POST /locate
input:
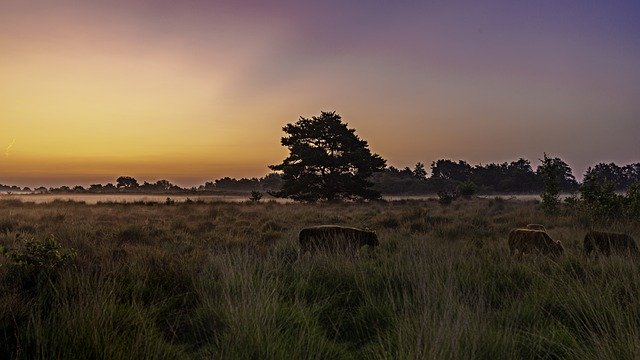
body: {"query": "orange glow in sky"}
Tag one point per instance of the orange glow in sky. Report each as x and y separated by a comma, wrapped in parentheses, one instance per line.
(193, 91)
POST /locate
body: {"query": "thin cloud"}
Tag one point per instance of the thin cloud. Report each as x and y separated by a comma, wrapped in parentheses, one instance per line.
(6, 152)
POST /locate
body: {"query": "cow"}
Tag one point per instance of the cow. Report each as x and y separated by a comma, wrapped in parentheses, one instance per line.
(607, 243)
(536, 227)
(335, 238)
(528, 241)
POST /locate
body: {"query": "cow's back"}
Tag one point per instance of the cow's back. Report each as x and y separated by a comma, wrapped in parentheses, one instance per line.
(330, 237)
(530, 241)
(607, 242)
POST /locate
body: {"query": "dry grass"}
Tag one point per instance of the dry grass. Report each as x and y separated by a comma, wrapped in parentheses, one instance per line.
(219, 280)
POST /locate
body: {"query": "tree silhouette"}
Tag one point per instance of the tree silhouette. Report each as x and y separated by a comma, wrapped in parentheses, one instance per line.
(126, 182)
(449, 170)
(419, 172)
(551, 171)
(566, 180)
(520, 176)
(327, 161)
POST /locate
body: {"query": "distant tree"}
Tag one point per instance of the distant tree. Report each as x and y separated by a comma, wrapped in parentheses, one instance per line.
(489, 177)
(126, 182)
(600, 198)
(467, 189)
(255, 196)
(447, 174)
(147, 186)
(95, 188)
(566, 181)
(327, 161)
(449, 170)
(520, 177)
(612, 173)
(551, 172)
(407, 172)
(78, 189)
(404, 173)
(227, 183)
(394, 181)
(272, 181)
(631, 173)
(163, 185)
(419, 172)
(632, 207)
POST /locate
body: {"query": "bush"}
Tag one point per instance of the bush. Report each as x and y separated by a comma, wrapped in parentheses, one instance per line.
(600, 200)
(632, 206)
(36, 260)
(550, 171)
(445, 197)
(255, 196)
(467, 188)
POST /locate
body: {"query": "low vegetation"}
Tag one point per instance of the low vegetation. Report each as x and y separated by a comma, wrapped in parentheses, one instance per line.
(220, 280)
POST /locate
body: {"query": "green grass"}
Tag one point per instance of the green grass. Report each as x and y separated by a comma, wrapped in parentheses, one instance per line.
(220, 280)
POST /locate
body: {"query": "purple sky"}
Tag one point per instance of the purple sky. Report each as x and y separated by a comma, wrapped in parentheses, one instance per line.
(484, 81)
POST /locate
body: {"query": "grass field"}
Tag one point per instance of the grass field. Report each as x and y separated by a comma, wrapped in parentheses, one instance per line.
(220, 280)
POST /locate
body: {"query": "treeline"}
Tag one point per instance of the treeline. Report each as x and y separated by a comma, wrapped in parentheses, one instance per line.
(128, 184)
(14, 189)
(516, 177)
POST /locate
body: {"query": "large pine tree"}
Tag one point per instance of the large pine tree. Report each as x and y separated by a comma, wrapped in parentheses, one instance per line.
(327, 161)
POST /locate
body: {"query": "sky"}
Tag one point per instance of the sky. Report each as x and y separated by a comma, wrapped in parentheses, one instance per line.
(196, 90)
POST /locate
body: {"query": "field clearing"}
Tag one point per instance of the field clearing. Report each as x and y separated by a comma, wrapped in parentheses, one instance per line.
(220, 280)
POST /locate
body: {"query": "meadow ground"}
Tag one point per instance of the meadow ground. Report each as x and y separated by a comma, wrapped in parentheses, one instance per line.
(220, 280)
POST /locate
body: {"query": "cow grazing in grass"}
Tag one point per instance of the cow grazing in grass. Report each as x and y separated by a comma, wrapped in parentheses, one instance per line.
(536, 227)
(606, 243)
(527, 241)
(334, 238)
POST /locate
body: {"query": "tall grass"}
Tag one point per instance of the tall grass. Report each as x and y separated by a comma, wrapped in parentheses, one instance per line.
(221, 280)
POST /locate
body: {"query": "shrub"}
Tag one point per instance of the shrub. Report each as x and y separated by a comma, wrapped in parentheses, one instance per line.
(600, 200)
(467, 189)
(255, 196)
(550, 171)
(445, 197)
(632, 206)
(36, 260)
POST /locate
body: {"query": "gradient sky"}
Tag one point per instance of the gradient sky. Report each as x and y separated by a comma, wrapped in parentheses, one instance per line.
(195, 90)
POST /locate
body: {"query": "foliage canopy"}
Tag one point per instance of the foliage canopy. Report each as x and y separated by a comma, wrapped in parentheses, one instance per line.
(327, 161)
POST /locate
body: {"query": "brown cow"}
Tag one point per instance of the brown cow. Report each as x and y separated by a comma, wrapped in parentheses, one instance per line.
(335, 238)
(528, 241)
(606, 243)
